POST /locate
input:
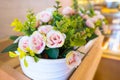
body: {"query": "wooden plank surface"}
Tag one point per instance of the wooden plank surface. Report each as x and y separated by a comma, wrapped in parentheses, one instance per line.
(88, 67)
(9, 73)
(109, 69)
(9, 67)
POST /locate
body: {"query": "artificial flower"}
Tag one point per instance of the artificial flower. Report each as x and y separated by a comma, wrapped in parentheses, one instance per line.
(68, 11)
(85, 16)
(44, 16)
(37, 42)
(73, 59)
(55, 39)
(23, 43)
(89, 23)
(45, 29)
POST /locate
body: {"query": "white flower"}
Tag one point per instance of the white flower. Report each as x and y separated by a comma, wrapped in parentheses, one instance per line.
(23, 43)
(44, 16)
(55, 39)
(36, 42)
(73, 59)
(45, 29)
(89, 23)
(68, 11)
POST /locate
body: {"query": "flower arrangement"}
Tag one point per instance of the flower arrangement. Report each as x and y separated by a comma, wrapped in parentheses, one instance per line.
(52, 34)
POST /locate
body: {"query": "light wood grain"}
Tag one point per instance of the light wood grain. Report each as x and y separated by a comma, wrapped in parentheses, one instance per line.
(7, 72)
(5, 76)
(3, 44)
(111, 56)
(109, 69)
(88, 67)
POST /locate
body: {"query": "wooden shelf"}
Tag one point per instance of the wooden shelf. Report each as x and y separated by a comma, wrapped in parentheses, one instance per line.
(87, 68)
(85, 71)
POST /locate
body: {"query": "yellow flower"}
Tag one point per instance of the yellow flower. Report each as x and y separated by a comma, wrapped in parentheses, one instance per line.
(12, 54)
(22, 53)
(18, 26)
(30, 51)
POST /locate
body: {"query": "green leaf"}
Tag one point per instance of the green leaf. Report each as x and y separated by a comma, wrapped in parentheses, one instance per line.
(13, 37)
(77, 40)
(53, 53)
(36, 59)
(25, 63)
(12, 54)
(12, 47)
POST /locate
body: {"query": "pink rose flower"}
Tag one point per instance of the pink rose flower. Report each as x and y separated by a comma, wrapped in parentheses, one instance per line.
(45, 29)
(23, 43)
(97, 32)
(105, 28)
(94, 19)
(44, 16)
(89, 23)
(55, 39)
(68, 11)
(36, 42)
(81, 14)
(100, 16)
(85, 16)
(97, 12)
(73, 59)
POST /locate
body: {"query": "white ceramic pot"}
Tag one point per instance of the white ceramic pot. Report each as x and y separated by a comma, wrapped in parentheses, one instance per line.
(46, 69)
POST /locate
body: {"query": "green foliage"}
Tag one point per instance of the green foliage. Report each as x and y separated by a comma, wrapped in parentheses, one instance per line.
(28, 27)
(29, 24)
(36, 59)
(52, 53)
(57, 6)
(13, 37)
(12, 47)
(75, 5)
(76, 40)
(92, 13)
(71, 26)
(56, 17)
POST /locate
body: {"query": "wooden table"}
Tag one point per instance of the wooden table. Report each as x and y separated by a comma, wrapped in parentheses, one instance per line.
(109, 66)
(10, 68)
